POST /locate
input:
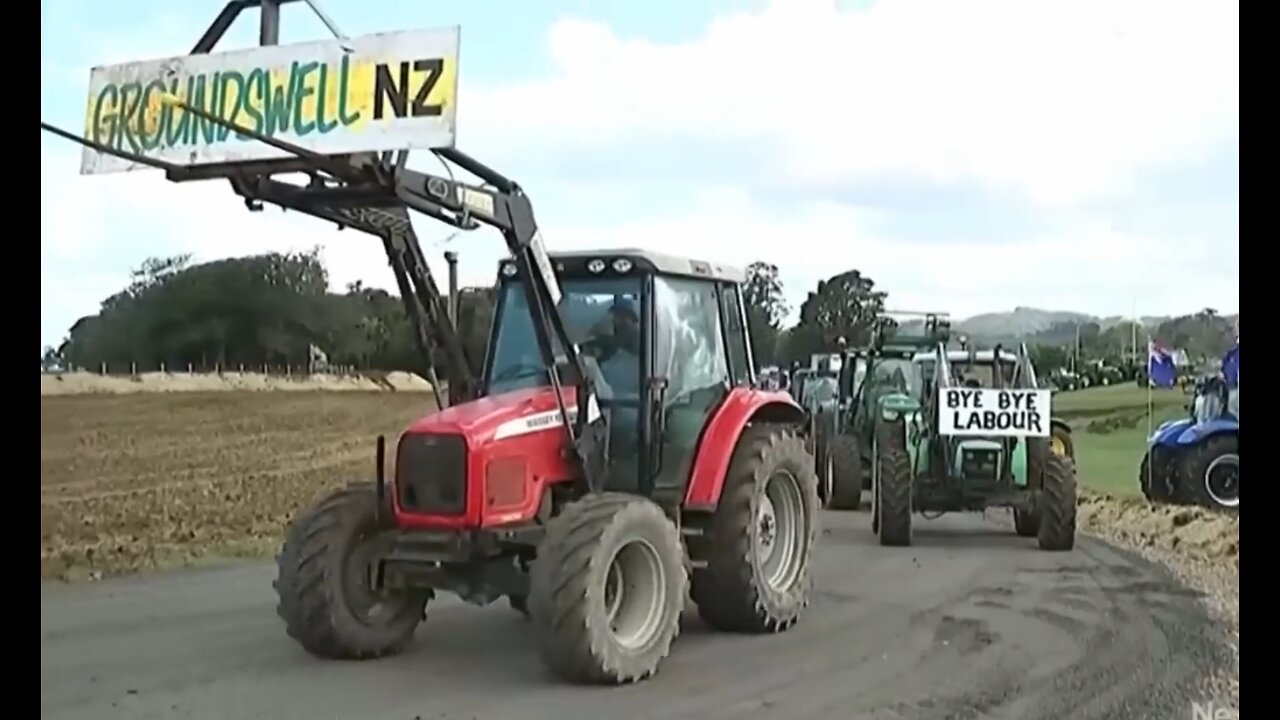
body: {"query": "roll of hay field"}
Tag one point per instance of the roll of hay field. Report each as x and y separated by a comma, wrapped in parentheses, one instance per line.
(140, 480)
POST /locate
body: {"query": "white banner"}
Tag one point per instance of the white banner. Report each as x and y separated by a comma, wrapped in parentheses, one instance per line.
(994, 412)
(390, 91)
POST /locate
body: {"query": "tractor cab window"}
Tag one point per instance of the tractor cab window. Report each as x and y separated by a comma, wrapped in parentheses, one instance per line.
(820, 389)
(896, 375)
(980, 374)
(602, 317)
(688, 350)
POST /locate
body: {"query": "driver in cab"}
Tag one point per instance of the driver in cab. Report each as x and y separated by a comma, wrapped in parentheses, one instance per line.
(614, 342)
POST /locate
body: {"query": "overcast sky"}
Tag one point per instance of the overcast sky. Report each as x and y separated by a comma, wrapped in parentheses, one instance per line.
(969, 156)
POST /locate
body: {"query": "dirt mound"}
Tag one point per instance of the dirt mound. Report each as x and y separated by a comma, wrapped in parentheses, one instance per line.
(1198, 532)
(84, 383)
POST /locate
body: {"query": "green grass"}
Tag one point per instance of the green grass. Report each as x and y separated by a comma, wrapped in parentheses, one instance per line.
(1109, 426)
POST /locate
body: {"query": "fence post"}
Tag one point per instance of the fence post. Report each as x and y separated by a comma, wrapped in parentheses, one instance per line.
(104, 369)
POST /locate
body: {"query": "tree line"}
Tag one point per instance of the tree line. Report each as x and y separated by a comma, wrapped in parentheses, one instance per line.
(276, 309)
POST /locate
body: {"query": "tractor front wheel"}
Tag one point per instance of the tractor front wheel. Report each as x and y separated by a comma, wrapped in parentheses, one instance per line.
(893, 491)
(1026, 518)
(847, 486)
(607, 589)
(758, 544)
(327, 597)
(1057, 504)
(1155, 476)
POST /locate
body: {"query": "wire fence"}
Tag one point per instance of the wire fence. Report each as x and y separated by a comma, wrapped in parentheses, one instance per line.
(134, 369)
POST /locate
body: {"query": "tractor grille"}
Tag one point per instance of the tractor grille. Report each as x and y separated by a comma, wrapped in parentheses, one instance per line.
(982, 465)
(431, 474)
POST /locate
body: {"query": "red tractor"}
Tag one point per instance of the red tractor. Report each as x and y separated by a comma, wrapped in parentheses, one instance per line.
(613, 457)
(695, 483)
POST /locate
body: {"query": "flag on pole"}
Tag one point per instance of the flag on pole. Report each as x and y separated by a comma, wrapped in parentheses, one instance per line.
(1231, 365)
(1160, 366)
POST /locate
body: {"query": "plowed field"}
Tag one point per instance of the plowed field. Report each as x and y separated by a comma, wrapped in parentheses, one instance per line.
(154, 479)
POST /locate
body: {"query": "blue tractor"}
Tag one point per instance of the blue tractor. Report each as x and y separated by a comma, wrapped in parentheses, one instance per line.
(1196, 460)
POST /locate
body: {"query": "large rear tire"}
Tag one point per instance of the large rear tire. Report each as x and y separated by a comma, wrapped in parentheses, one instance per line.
(824, 464)
(758, 544)
(1211, 473)
(1057, 503)
(847, 486)
(894, 485)
(324, 582)
(607, 589)
(1060, 442)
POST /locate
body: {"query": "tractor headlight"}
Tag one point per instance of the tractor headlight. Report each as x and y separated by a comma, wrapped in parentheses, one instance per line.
(596, 266)
(622, 265)
(508, 270)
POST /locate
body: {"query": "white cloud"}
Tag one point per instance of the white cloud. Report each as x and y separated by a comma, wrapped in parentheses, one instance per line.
(1062, 101)
(1058, 104)
(1085, 266)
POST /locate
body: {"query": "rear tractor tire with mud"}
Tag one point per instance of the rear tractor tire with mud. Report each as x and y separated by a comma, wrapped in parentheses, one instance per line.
(893, 485)
(325, 587)
(607, 589)
(758, 543)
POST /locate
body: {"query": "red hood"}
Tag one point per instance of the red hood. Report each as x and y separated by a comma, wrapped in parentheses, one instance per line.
(479, 420)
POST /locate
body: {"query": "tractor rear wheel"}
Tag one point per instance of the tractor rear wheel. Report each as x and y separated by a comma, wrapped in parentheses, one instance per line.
(1057, 504)
(893, 485)
(758, 544)
(1211, 473)
(847, 485)
(325, 587)
(1060, 442)
(607, 589)
(824, 466)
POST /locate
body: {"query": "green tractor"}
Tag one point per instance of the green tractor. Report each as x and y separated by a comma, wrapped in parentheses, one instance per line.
(972, 430)
(867, 375)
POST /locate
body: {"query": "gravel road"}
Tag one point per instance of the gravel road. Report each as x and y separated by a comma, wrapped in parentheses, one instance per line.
(971, 622)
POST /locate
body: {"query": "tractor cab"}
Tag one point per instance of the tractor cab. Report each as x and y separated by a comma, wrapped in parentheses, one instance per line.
(663, 338)
(1214, 400)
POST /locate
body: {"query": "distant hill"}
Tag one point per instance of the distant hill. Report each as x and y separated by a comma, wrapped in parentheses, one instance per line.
(1024, 322)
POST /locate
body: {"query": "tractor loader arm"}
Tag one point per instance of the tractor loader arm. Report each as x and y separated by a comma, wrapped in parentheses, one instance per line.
(373, 193)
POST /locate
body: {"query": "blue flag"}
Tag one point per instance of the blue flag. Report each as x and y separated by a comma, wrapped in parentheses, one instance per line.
(1160, 367)
(1231, 365)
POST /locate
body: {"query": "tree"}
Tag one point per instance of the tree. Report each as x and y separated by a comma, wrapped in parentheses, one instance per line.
(843, 306)
(261, 309)
(766, 308)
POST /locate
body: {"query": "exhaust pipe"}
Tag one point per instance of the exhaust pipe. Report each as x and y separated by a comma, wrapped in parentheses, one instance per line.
(451, 257)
